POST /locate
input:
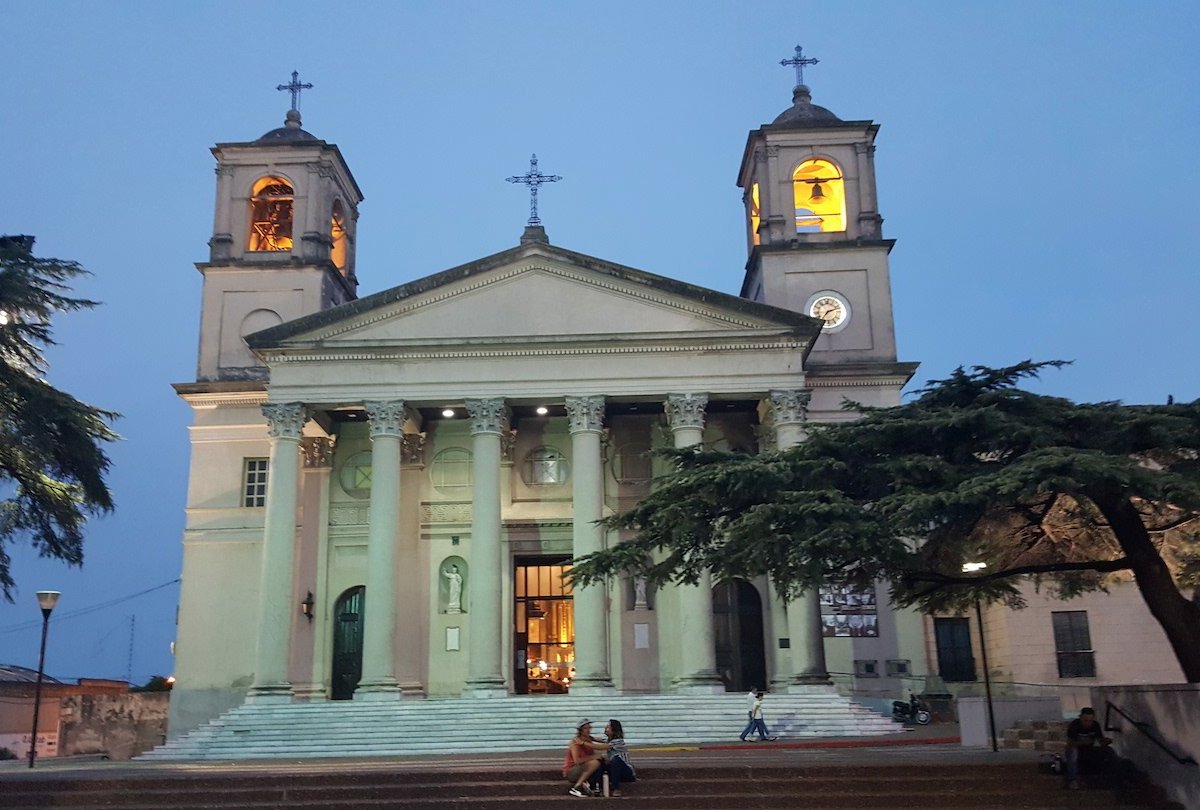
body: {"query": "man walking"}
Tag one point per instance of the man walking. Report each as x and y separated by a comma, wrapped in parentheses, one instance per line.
(756, 721)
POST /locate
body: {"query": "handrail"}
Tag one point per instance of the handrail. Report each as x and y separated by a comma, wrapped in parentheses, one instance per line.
(1110, 707)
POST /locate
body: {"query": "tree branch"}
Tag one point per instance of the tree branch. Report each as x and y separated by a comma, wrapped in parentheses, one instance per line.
(942, 580)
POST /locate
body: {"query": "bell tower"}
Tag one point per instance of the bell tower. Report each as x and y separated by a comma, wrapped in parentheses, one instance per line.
(283, 241)
(813, 229)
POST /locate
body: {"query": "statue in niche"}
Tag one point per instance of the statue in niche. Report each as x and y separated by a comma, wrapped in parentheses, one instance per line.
(454, 584)
(639, 594)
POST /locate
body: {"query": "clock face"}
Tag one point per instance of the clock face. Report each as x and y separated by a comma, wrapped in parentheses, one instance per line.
(829, 308)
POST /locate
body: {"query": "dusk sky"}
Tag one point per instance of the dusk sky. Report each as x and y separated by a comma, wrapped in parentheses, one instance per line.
(1036, 163)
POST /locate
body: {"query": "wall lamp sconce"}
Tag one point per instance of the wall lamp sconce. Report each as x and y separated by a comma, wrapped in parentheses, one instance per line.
(306, 607)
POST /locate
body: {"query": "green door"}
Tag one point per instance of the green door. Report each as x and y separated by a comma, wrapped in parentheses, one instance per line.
(348, 642)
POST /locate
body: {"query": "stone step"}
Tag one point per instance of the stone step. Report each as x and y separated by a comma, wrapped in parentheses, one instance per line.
(714, 787)
(404, 727)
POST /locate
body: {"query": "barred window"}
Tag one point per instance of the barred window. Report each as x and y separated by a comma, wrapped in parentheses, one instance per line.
(545, 466)
(1073, 644)
(254, 482)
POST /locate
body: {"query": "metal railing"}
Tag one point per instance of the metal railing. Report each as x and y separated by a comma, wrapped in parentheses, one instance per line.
(1145, 728)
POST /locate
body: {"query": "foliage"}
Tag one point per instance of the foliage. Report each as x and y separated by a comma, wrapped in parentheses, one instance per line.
(157, 683)
(52, 460)
(6, 754)
(974, 469)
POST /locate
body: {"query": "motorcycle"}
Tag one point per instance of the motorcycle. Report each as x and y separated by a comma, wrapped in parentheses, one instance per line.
(911, 711)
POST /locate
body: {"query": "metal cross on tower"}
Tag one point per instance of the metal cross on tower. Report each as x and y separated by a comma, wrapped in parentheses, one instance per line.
(798, 62)
(533, 178)
(294, 86)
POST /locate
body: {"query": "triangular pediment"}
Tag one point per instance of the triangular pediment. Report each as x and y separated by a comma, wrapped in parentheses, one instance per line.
(534, 295)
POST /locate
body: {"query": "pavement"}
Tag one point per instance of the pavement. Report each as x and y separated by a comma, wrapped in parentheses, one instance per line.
(922, 746)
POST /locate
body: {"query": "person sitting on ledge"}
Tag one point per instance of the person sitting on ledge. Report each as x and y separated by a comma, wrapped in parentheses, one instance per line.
(1087, 748)
(582, 761)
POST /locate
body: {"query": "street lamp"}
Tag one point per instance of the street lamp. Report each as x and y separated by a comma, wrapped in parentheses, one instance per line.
(46, 601)
(970, 568)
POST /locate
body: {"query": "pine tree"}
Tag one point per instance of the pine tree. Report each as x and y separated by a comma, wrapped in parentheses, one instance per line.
(52, 460)
(974, 469)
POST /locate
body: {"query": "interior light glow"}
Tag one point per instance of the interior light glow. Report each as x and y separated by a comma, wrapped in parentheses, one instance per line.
(542, 410)
(448, 413)
(971, 567)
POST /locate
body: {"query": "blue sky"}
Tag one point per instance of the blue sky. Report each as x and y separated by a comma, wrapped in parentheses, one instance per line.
(1036, 164)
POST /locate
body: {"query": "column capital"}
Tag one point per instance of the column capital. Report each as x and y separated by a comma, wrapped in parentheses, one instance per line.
(318, 452)
(586, 414)
(686, 410)
(789, 407)
(487, 415)
(285, 420)
(387, 417)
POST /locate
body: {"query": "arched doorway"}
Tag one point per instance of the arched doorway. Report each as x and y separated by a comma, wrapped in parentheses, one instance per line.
(738, 633)
(348, 642)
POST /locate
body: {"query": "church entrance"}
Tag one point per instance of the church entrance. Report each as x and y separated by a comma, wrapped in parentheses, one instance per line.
(738, 634)
(544, 632)
(347, 643)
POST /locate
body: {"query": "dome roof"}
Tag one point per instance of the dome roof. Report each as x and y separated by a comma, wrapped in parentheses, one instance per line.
(803, 113)
(290, 132)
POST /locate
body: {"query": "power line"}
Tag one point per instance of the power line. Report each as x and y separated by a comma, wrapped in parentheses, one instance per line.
(74, 614)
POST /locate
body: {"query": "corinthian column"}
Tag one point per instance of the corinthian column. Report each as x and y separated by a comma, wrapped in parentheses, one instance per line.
(275, 613)
(698, 656)
(485, 674)
(383, 529)
(789, 411)
(586, 416)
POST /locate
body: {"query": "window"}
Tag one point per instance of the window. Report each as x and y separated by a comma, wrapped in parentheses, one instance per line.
(254, 482)
(450, 471)
(898, 667)
(755, 214)
(337, 238)
(271, 215)
(866, 669)
(545, 466)
(953, 639)
(1073, 644)
(820, 197)
(355, 477)
(632, 465)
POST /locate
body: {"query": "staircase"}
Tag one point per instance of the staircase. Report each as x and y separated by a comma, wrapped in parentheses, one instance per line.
(520, 723)
(522, 785)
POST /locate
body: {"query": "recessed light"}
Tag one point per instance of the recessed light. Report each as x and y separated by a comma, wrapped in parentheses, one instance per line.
(542, 410)
(448, 413)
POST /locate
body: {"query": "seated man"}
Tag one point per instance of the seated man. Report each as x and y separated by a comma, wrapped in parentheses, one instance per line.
(1087, 747)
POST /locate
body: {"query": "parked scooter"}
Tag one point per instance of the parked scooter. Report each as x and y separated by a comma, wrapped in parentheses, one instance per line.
(911, 711)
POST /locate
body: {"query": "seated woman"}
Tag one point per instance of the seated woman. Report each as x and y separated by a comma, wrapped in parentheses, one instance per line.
(620, 769)
(582, 761)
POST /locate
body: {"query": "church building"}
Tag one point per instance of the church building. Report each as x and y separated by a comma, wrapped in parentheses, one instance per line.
(385, 490)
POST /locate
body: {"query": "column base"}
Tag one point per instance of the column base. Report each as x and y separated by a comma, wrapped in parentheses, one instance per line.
(490, 687)
(590, 686)
(811, 688)
(270, 693)
(309, 692)
(412, 690)
(383, 689)
(700, 683)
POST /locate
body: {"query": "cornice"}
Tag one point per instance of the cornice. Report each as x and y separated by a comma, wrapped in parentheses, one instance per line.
(334, 355)
(218, 399)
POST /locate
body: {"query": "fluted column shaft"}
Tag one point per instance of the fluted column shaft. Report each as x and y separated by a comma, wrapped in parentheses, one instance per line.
(275, 613)
(790, 413)
(485, 673)
(586, 416)
(698, 654)
(383, 530)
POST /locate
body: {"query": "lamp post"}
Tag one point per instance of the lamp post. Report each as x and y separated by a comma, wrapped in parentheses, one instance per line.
(46, 601)
(971, 568)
